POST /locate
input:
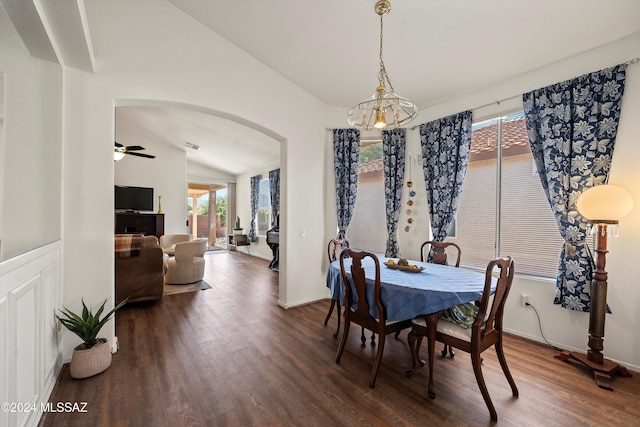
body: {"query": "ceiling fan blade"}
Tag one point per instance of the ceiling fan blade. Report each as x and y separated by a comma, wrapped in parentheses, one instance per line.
(148, 156)
(134, 148)
(118, 145)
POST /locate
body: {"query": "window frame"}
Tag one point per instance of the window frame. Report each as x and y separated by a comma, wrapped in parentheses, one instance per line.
(500, 243)
(263, 233)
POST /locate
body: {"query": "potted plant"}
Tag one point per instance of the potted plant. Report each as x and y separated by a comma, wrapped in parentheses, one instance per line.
(93, 355)
(237, 229)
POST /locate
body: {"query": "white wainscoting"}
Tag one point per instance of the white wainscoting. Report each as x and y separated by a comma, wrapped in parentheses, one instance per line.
(30, 291)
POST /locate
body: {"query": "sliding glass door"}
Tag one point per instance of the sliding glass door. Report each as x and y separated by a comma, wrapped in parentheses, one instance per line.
(206, 210)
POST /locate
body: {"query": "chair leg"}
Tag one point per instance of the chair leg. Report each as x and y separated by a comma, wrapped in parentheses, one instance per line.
(505, 368)
(373, 338)
(363, 338)
(343, 341)
(414, 341)
(333, 304)
(447, 348)
(335, 334)
(326, 320)
(477, 369)
(377, 362)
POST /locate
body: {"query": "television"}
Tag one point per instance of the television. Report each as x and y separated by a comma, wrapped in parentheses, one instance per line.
(133, 198)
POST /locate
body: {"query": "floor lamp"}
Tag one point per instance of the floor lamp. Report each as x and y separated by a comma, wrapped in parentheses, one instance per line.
(602, 206)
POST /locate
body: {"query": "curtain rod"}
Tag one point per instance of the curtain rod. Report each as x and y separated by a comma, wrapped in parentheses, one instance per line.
(629, 62)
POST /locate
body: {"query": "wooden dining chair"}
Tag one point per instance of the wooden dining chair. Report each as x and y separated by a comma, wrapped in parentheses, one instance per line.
(439, 252)
(355, 289)
(439, 255)
(485, 332)
(334, 249)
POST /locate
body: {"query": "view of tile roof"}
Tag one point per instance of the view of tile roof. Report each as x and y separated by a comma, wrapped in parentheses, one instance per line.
(514, 139)
(483, 143)
(370, 167)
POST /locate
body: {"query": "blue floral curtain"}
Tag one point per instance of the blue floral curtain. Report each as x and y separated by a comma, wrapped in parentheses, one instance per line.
(346, 153)
(274, 190)
(572, 128)
(445, 155)
(393, 159)
(255, 193)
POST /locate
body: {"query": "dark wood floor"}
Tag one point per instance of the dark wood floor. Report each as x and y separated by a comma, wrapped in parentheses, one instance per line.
(229, 356)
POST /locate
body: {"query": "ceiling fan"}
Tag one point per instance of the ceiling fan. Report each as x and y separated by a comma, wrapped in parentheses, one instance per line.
(121, 150)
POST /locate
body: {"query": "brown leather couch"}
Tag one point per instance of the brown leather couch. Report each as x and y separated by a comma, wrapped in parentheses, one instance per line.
(141, 277)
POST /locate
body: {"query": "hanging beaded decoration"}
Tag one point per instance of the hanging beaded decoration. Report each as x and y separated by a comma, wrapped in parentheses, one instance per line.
(412, 194)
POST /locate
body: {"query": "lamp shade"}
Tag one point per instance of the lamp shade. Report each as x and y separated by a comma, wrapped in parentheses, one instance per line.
(607, 203)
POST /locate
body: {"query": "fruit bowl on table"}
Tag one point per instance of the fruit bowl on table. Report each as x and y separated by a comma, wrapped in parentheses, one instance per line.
(412, 268)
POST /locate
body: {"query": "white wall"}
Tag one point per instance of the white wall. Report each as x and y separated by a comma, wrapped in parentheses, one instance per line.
(31, 168)
(563, 328)
(30, 226)
(199, 173)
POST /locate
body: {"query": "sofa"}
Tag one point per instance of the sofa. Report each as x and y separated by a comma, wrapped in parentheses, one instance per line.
(139, 268)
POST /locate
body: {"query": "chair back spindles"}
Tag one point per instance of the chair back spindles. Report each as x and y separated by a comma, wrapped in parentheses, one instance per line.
(438, 252)
(335, 248)
(491, 307)
(485, 332)
(357, 308)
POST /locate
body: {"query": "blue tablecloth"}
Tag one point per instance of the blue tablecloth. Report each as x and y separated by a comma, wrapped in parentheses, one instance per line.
(406, 294)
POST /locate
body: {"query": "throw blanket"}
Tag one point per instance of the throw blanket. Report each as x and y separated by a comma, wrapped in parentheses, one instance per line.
(128, 245)
(462, 314)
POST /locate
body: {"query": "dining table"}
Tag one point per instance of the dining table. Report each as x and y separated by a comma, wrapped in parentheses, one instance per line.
(407, 294)
(425, 291)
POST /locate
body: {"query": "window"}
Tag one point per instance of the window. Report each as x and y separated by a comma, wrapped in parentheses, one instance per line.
(368, 230)
(263, 219)
(503, 209)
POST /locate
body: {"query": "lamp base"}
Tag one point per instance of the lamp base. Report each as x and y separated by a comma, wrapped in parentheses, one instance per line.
(601, 371)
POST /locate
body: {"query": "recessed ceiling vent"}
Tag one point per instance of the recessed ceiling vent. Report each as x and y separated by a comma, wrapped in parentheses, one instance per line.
(192, 146)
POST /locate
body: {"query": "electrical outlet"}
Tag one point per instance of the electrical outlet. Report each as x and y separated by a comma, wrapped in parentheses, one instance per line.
(524, 300)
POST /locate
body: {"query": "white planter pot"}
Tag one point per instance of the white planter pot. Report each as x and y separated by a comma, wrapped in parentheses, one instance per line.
(89, 362)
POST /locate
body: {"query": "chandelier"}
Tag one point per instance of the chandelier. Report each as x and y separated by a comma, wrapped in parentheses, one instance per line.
(384, 109)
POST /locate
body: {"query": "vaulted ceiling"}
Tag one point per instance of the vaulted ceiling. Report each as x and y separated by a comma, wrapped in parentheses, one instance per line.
(434, 50)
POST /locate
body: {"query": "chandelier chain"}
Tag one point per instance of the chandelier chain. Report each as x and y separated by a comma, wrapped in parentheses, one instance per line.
(382, 75)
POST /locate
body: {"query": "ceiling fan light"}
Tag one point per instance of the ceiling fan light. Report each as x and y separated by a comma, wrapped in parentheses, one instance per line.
(118, 155)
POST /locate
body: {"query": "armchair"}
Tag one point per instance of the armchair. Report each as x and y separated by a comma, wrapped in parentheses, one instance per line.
(187, 266)
(169, 241)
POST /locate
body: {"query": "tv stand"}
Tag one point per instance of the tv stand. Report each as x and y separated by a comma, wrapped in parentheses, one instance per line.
(129, 222)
